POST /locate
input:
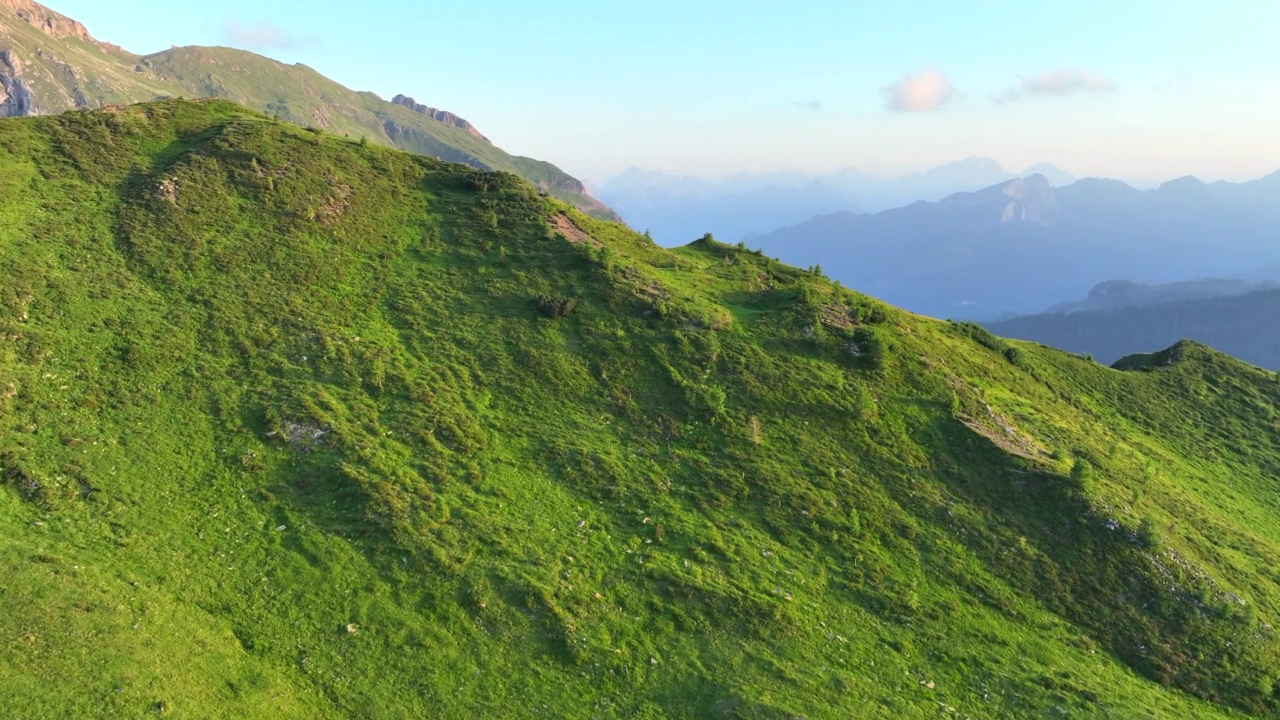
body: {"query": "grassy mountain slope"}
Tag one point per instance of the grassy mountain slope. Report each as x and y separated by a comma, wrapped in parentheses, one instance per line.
(1240, 325)
(65, 68)
(295, 427)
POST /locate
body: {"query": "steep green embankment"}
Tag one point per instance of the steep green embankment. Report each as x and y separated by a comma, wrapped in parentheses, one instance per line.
(295, 427)
(50, 63)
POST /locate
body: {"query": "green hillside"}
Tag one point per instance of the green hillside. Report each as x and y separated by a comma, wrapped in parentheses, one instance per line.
(61, 67)
(293, 426)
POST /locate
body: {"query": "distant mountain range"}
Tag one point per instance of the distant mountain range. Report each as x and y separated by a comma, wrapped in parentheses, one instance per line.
(1243, 325)
(1118, 294)
(50, 63)
(677, 209)
(1021, 246)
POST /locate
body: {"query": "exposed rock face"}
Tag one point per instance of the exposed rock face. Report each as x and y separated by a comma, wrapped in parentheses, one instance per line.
(47, 21)
(443, 116)
(566, 184)
(574, 187)
(15, 96)
(1030, 200)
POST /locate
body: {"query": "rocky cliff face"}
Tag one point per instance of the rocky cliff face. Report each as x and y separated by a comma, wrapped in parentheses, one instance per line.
(565, 184)
(443, 116)
(1030, 200)
(47, 21)
(15, 95)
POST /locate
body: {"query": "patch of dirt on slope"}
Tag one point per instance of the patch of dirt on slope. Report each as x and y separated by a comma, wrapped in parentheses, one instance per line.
(574, 234)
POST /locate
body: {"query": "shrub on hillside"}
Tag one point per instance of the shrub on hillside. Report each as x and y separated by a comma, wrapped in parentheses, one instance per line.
(1082, 475)
(980, 335)
(556, 306)
(871, 346)
(1149, 534)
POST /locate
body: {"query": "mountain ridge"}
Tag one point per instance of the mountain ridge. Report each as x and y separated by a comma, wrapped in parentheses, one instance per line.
(680, 208)
(50, 63)
(1052, 244)
(443, 116)
(1237, 319)
(1119, 294)
(50, 22)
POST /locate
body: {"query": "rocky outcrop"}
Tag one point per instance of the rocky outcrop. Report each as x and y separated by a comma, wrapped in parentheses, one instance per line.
(15, 96)
(573, 190)
(1030, 200)
(47, 21)
(443, 116)
(564, 184)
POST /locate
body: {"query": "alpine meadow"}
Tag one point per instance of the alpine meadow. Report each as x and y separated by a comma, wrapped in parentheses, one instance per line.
(296, 426)
(317, 405)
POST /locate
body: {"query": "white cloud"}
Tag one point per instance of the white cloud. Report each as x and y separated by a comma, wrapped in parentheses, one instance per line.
(258, 36)
(1058, 83)
(926, 92)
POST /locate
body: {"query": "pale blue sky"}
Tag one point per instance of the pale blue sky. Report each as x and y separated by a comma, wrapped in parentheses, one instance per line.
(1124, 88)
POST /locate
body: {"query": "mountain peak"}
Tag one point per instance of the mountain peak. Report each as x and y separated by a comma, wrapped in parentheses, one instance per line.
(443, 116)
(1030, 199)
(47, 21)
(1057, 176)
(1186, 182)
(1022, 199)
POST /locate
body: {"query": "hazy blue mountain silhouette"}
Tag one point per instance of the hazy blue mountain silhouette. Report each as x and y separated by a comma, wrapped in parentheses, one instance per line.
(1243, 325)
(990, 253)
(1117, 294)
(678, 209)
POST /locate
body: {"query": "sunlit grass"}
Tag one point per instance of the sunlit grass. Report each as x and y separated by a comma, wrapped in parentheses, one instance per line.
(292, 433)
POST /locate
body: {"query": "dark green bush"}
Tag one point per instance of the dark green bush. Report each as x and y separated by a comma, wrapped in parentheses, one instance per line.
(556, 306)
(1149, 534)
(980, 335)
(872, 346)
(1082, 474)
